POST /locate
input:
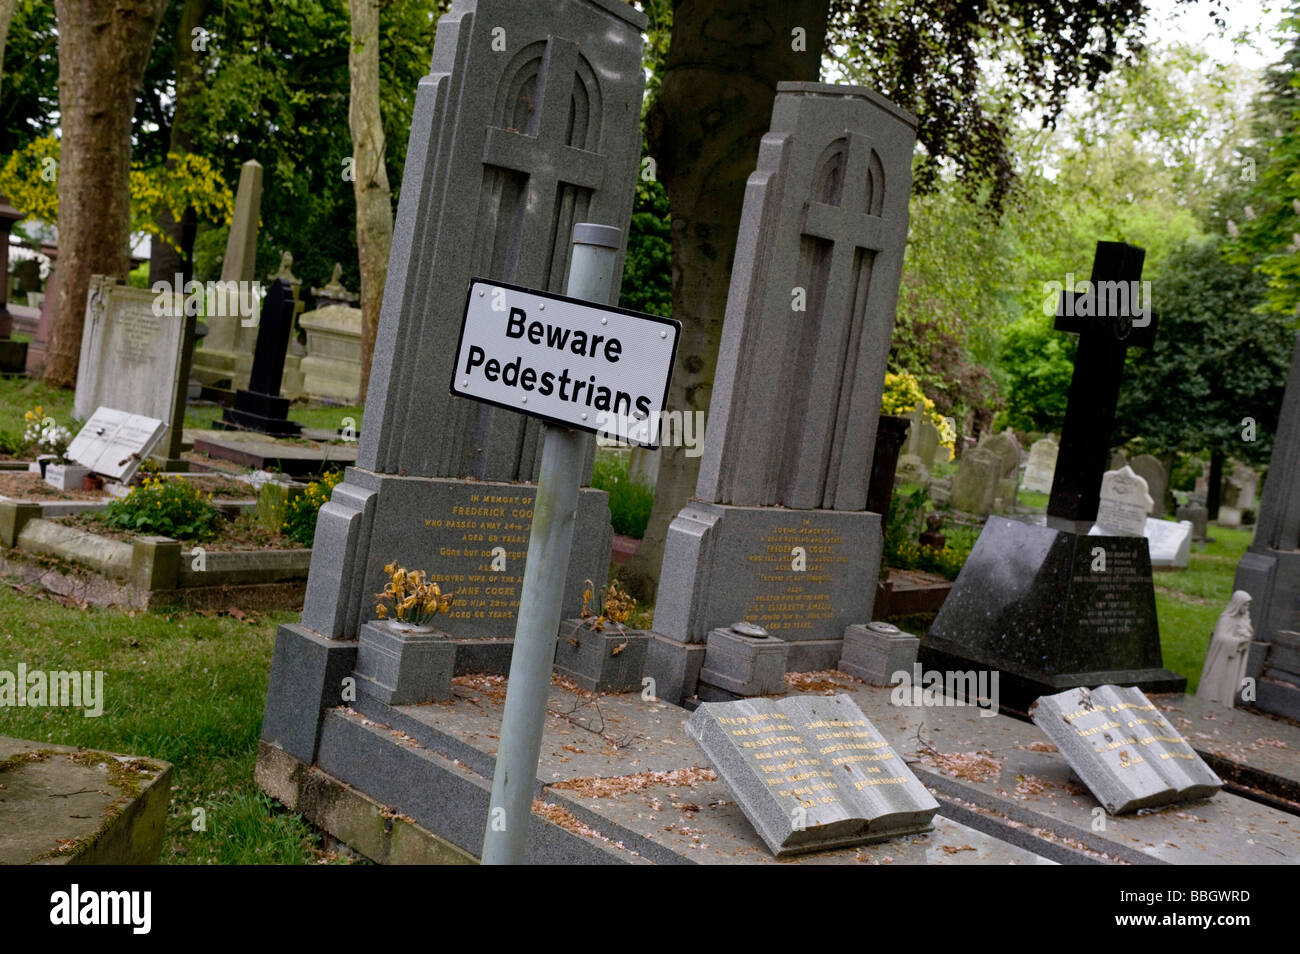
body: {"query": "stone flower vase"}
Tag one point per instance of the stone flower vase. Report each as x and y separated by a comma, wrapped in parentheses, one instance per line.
(401, 664)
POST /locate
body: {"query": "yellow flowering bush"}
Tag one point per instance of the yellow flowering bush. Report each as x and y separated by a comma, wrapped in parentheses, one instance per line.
(411, 597)
(902, 393)
(300, 513)
(29, 178)
(171, 507)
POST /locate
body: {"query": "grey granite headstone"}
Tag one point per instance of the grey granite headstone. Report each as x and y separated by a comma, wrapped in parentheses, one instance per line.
(1150, 469)
(1270, 569)
(1041, 466)
(135, 358)
(1125, 503)
(1198, 516)
(811, 772)
(509, 148)
(922, 437)
(1123, 748)
(796, 398)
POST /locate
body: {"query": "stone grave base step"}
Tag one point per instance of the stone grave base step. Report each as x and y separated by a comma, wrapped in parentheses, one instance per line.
(1018, 687)
(64, 805)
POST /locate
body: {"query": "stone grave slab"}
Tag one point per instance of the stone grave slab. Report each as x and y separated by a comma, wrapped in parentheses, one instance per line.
(1123, 748)
(135, 359)
(114, 443)
(621, 766)
(65, 805)
(1169, 542)
(295, 458)
(783, 759)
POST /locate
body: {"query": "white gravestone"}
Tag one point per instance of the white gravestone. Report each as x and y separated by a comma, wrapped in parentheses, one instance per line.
(1125, 503)
(114, 443)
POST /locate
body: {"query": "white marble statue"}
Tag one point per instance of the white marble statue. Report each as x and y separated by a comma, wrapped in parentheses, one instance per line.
(1225, 664)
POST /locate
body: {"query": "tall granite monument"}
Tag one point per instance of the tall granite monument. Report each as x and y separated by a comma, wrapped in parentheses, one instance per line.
(1053, 607)
(508, 149)
(1270, 569)
(779, 535)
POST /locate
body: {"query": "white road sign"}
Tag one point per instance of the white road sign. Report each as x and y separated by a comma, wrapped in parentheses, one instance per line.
(592, 367)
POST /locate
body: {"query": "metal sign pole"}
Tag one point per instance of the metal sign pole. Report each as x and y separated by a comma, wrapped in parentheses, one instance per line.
(505, 841)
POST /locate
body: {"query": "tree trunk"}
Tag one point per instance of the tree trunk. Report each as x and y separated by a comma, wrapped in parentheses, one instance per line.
(167, 259)
(7, 8)
(103, 48)
(370, 185)
(714, 105)
(1214, 492)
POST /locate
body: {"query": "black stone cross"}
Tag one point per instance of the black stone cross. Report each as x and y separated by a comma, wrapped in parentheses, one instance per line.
(1108, 323)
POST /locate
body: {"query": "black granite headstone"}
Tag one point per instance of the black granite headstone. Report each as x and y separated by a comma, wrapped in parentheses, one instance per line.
(1053, 608)
(260, 407)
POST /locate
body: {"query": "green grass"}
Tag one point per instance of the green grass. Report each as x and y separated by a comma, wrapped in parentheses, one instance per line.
(630, 500)
(1033, 499)
(1189, 601)
(179, 687)
(19, 395)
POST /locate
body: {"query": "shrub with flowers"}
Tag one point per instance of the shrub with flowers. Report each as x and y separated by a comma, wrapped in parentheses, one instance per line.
(411, 597)
(170, 507)
(301, 511)
(902, 393)
(50, 437)
(903, 551)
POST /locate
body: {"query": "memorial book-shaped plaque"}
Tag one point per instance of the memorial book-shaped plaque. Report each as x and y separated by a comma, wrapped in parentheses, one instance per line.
(1123, 748)
(811, 772)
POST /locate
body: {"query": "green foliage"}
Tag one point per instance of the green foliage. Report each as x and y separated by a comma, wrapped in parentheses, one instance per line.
(272, 507)
(1264, 207)
(171, 508)
(301, 511)
(1217, 361)
(648, 269)
(902, 549)
(630, 499)
(29, 89)
(1038, 363)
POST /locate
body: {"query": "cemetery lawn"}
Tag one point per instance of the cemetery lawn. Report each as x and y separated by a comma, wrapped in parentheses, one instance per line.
(202, 416)
(1189, 601)
(181, 687)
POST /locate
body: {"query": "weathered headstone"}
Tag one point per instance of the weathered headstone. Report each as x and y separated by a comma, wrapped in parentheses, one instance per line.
(1041, 466)
(1124, 503)
(778, 533)
(1270, 569)
(1007, 448)
(114, 443)
(332, 366)
(811, 772)
(1238, 496)
(1198, 516)
(922, 437)
(227, 351)
(36, 350)
(1123, 748)
(1150, 469)
(1053, 607)
(135, 358)
(976, 483)
(508, 150)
